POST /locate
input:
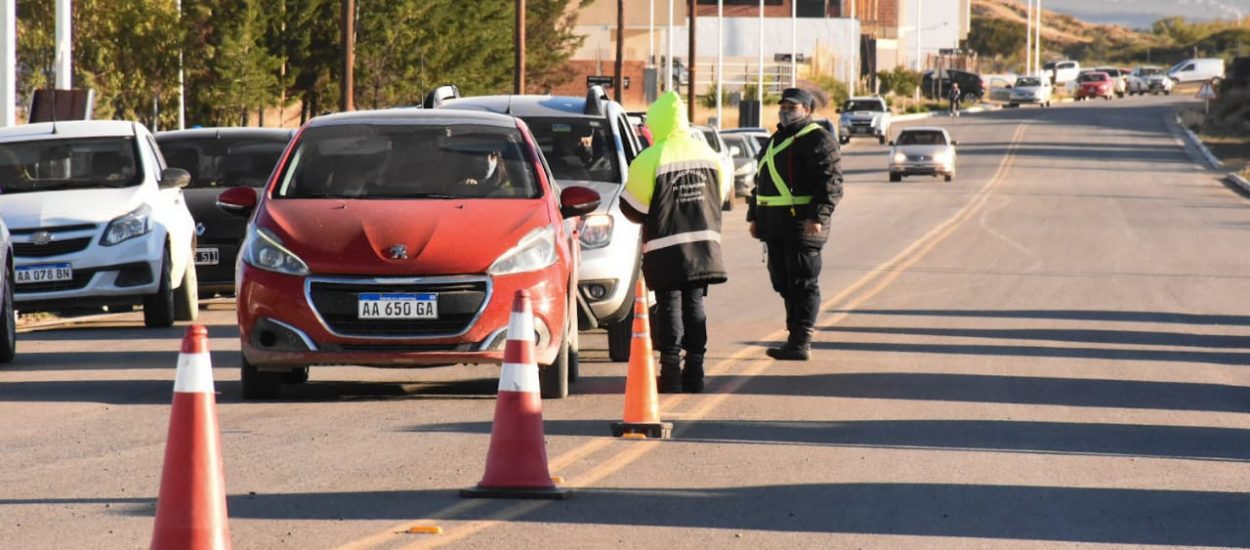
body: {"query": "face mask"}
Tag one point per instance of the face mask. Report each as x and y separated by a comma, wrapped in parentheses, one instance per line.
(789, 118)
(491, 164)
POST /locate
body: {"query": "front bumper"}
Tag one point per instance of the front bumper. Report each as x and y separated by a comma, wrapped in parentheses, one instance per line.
(862, 130)
(281, 328)
(606, 278)
(921, 168)
(102, 275)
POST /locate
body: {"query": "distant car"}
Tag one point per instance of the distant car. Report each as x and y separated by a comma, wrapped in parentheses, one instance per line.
(922, 151)
(745, 150)
(97, 219)
(971, 86)
(399, 238)
(864, 117)
(1031, 90)
(760, 135)
(711, 136)
(1197, 70)
(1095, 84)
(217, 159)
(1000, 88)
(1061, 72)
(1119, 79)
(639, 121)
(1149, 80)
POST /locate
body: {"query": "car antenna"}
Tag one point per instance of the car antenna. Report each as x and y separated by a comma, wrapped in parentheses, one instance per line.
(508, 110)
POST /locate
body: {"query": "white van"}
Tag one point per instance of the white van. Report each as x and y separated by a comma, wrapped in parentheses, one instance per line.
(1197, 70)
(1061, 72)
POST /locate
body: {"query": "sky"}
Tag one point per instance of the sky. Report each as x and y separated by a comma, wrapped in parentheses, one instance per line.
(1141, 13)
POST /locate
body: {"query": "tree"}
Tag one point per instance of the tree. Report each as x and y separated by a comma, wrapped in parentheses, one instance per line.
(996, 37)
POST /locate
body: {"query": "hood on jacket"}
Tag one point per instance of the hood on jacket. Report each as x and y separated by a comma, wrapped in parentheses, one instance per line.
(667, 117)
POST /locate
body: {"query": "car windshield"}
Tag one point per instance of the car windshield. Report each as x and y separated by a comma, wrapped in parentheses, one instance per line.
(578, 149)
(921, 137)
(223, 162)
(402, 161)
(866, 105)
(1148, 71)
(744, 150)
(1111, 72)
(53, 165)
(1092, 77)
(1030, 81)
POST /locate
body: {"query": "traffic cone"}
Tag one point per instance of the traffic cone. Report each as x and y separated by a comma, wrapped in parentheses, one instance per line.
(642, 402)
(191, 509)
(516, 464)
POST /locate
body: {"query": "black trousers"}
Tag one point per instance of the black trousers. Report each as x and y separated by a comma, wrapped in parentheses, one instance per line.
(794, 268)
(680, 322)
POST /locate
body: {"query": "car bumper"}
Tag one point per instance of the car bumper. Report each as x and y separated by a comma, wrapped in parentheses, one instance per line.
(1028, 100)
(118, 274)
(862, 131)
(921, 168)
(281, 328)
(606, 279)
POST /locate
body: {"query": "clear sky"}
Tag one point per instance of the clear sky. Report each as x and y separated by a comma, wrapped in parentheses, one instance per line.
(1141, 13)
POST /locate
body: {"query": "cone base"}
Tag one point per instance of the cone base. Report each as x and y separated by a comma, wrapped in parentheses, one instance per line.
(478, 491)
(653, 430)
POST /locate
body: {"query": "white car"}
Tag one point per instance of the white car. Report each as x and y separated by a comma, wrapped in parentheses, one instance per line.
(922, 151)
(1197, 70)
(1031, 90)
(711, 136)
(866, 117)
(1149, 80)
(97, 219)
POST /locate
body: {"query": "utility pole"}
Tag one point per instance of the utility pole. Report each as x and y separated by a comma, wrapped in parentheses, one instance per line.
(518, 33)
(759, 83)
(794, 45)
(690, 62)
(8, 63)
(668, 61)
(63, 59)
(348, 83)
(182, 86)
(720, 60)
(619, 80)
(1037, 41)
(1028, 39)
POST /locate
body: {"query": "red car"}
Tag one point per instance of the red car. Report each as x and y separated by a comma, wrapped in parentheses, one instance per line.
(399, 239)
(1094, 84)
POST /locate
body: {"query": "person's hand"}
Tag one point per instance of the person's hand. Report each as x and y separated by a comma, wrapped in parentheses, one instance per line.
(811, 228)
(755, 234)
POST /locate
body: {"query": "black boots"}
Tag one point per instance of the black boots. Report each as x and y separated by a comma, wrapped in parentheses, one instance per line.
(670, 380)
(798, 346)
(692, 375)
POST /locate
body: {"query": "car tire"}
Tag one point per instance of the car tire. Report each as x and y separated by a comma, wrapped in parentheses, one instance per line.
(896, 177)
(187, 297)
(949, 177)
(728, 205)
(844, 140)
(297, 375)
(880, 140)
(553, 380)
(619, 338)
(8, 323)
(259, 384)
(158, 308)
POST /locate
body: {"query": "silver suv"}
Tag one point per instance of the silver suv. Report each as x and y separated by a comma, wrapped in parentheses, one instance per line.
(864, 117)
(589, 142)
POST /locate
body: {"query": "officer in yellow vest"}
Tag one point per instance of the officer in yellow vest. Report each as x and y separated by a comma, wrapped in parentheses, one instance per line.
(797, 186)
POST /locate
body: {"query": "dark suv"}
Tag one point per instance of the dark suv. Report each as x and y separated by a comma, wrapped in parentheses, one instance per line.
(971, 88)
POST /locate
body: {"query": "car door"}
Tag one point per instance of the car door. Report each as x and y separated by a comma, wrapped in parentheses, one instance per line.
(169, 209)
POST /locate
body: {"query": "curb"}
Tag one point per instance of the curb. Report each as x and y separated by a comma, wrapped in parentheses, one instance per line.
(931, 114)
(1239, 181)
(1193, 139)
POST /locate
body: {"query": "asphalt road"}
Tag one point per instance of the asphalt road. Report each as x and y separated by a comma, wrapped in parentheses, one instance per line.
(1049, 351)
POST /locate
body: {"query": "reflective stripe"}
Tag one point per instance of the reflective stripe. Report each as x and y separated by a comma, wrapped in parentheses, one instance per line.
(783, 198)
(680, 238)
(634, 203)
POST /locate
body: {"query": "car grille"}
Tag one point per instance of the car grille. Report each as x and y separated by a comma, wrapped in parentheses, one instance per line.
(919, 158)
(861, 123)
(53, 248)
(458, 305)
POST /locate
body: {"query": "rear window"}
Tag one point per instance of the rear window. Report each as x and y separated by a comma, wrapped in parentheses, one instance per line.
(1092, 77)
(921, 137)
(396, 161)
(56, 164)
(224, 162)
(1029, 81)
(577, 149)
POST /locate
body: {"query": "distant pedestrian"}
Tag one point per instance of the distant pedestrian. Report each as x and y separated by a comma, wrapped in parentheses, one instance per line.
(797, 186)
(675, 191)
(955, 96)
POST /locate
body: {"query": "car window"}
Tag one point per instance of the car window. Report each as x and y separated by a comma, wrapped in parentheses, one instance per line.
(398, 161)
(921, 137)
(52, 165)
(744, 150)
(1188, 67)
(710, 136)
(1067, 65)
(1092, 77)
(224, 162)
(875, 106)
(1029, 81)
(578, 149)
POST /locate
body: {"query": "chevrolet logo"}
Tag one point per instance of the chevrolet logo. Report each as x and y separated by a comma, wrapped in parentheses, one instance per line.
(398, 252)
(41, 238)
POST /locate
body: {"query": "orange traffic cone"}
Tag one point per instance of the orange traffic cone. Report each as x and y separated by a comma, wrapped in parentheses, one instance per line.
(191, 509)
(516, 465)
(642, 402)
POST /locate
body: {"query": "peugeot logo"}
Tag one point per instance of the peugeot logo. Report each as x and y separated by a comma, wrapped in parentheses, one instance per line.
(41, 238)
(199, 229)
(398, 252)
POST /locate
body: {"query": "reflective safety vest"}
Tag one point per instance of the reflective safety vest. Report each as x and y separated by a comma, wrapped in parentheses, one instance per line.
(783, 198)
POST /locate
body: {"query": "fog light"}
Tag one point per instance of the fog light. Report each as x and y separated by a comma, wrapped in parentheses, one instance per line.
(599, 290)
(596, 292)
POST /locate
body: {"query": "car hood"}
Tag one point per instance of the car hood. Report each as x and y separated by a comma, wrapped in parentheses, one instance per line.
(442, 237)
(862, 115)
(69, 207)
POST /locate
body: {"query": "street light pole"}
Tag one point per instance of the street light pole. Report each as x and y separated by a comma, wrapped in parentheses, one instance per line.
(759, 85)
(794, 44)
(919, 65)
(518, 64)
(618, 83)
(182, 87)
(8, 63)
(720, 60)
(1037, 41)
(1028, 39)
(690, 62)
(347, 84)
(668, 61)
(64, 45)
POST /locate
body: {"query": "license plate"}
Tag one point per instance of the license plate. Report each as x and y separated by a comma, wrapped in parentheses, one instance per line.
(207, 256)
(45, 273)
(397, 306)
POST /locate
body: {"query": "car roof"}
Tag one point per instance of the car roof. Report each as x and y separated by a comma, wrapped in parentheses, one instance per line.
(524, 105)
(866, 98)
(69, 129)
(924, 129)
(414, 115)
(219, 133)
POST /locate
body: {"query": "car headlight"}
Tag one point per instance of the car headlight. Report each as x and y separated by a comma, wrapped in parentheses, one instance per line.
(596, 231)
(745, 169)
(943, 158)
(129, 226)
(899, 157)
(536, 250)
(264, 250)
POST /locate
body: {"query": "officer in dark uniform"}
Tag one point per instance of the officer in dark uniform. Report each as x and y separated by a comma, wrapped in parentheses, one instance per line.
(797, 186)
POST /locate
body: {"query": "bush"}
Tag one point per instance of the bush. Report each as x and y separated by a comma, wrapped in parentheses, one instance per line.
(835, 90)
(900, 81)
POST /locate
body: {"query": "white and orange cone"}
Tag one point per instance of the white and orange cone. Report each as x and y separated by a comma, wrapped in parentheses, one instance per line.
(642, 404)
(516, 464)
(191, 508)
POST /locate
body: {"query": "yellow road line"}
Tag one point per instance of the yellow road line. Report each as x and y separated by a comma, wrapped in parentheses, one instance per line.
(879, 279)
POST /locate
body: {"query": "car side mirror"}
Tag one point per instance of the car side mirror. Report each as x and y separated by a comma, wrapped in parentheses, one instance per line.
(578, 201)
(954, 142)
(174, 178)
(239, 201)
(891, 144)
(735, 151)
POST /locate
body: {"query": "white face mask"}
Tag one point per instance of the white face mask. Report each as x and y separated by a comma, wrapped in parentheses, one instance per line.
(491, 164)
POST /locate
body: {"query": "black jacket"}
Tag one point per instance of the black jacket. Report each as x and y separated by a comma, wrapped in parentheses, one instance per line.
(811, 166)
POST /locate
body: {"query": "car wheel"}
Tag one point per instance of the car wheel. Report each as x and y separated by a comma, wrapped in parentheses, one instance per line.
(158, 308)
(880, 140)
(259, 384)
(8, 323)
(620, 336)
(949, 177)
(728, 205)
(575, 362)
(896, 177)
(844, 140)
(553, 380)
(187, 297)
(295, 376)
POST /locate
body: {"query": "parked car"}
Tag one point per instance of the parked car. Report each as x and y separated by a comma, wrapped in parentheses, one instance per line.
(217, 159)
(1197, 70)
(1000, 87)
(639, 121)
(1119, 79)
(1061, 72)
(761, 135)
(711, 136)
(439, 218)
(745, 149)
(1031, 90)
(971, 87)
(922, 151)
(1149, 80)
(588, 142)
(8, 313)
(1094, 84)
(864, 117)
(97, 219)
